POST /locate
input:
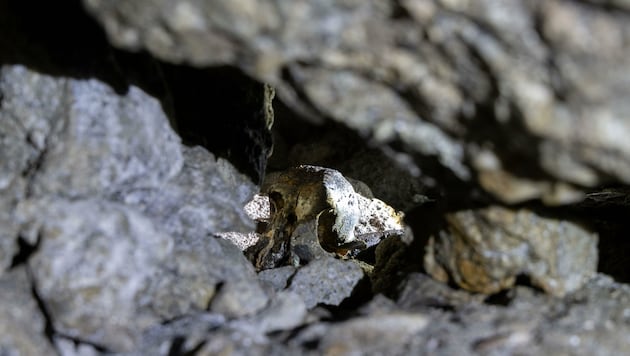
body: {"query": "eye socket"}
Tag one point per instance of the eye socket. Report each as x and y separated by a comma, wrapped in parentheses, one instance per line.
(325, 234)
(277, 203)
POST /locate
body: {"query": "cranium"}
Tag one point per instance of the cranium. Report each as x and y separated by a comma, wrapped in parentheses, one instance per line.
(342, 221)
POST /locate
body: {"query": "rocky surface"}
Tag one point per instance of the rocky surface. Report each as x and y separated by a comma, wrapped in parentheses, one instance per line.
(450, 76)
(133, 133)
(23, 324)
(116, 221)
(486, 250)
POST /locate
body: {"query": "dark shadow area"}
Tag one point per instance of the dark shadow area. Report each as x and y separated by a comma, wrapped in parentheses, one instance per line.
(608, 211)
(218, 108)
(221, 109)
(25, 251)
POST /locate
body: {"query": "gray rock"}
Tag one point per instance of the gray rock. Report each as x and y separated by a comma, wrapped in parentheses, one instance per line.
(593, 319)
(189, 281)
(239, 297)
(420, 290)
(444, 72)
(286, 311)
(521, 100)
(373, 335)
(110, 256)
(68, 347)
(22, 324)
(75, 123)
(205, 197)
(179, 335)
(277, 278)
(8, 235)
(101, 179)
(326, 281)
(130, 275)
(23, 131)
(485, 250)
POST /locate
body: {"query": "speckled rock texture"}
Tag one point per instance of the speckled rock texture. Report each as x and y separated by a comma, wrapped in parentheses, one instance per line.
(531, 92)
(486, 250)
(120, 227)
(133, 133)
(23, 324)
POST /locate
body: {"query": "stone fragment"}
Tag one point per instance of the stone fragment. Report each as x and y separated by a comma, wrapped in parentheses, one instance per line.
(91, 121)
(190, 279)
(420, 290)
(374, 334)
(205, 197)
(180, 335)
(239, 297)
(95, 263)
(69, 347)
(9, 230)
(22, 323)
(24, 128)
(485, 250)
(277, 278)
(326, 281)
(285, 312)
(101, 178)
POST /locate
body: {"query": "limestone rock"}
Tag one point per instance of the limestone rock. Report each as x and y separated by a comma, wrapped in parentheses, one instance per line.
(22, 323)
(540, 84)
(374, 334)
(100, 178)
(93, 267)
(191, 276)
(326, 281)
(589, 320)
(207, 196)
(180, 335)
(277, 278)
(485, 250)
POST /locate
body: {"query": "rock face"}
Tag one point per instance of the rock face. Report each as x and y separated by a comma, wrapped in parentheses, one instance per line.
(485, 250)
(454, 79)
(23, 326)
(119, 215)
(134, 132)
(326, 281)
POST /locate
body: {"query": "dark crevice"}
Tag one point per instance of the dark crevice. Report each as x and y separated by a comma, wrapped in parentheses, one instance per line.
(287, 75)
(220, 109)
(399, 11)
(204, 106)
(608, 6)
(606, 212)
(49, 330)
(78, 342)
(519, 145)
(556, 81)
(34, 166)
(25, 251)
(178, 347)
(502, 298)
